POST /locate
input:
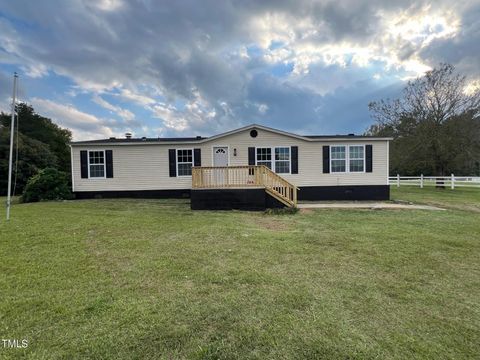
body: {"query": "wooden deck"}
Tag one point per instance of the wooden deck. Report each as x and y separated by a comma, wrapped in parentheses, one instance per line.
(248, 176)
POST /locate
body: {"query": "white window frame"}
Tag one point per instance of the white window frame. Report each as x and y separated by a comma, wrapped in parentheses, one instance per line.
(271, 155)
(272, 159)
(177, 162)
(104, 165)
(289, 160)
(347, 159)
(364, 159)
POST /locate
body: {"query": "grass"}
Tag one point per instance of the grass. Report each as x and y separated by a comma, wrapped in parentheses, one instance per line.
(460, 198)
(131, 279)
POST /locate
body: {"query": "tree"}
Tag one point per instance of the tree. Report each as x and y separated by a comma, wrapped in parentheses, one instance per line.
(41, 144)
(43, 129)
(435, 125)
(33, 155)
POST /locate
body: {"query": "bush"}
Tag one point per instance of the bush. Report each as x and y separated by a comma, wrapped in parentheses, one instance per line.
(47, 184)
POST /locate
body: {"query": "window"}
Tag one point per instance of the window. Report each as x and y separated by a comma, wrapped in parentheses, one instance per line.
(347, 158)
(264, 157)
(184, 162)
(282, 160)
(338, 160)
(356, 158)
(96, 164)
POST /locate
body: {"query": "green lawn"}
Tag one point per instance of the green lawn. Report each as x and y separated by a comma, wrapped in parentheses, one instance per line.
(460, 199)
(131, 279)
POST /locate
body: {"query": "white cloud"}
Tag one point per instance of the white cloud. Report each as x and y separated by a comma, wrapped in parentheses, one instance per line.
(136, 98)
(472, 87)
(83, 125)
(399, 36)
(196, 114)
(125, 114)
(262, 108)
(108, 5)
(35, 71)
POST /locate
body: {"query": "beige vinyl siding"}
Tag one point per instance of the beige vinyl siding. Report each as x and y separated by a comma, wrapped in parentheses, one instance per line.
(145, 166)
(310, 160)
(135, 167)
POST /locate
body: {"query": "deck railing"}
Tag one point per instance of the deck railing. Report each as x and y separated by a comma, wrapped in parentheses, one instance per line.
(220, 177)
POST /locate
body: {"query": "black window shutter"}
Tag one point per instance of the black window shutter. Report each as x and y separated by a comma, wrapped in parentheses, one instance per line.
(84, 164)
(109, 163)
(197, 157)
(326, 159)
(251, 156)
(172, 162)
(294, 154)
(368, 158)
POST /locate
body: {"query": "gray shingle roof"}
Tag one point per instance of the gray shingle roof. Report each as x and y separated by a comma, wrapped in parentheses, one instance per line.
(138, 140)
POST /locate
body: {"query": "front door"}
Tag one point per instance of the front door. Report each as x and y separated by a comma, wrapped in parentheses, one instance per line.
(220, 156)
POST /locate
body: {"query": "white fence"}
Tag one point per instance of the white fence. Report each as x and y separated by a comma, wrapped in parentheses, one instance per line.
(451, 181)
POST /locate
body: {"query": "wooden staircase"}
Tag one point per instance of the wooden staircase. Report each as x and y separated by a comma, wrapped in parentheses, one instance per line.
(249, 176)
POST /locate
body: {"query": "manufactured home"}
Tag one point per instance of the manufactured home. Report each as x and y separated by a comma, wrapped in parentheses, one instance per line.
(253, 167)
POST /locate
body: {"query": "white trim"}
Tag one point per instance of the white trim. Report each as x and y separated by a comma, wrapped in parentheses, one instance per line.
(347, 159)
(104, 165)
(272, 159)
(388, 162)
(221, 146)
(176, 160)
(71, 168)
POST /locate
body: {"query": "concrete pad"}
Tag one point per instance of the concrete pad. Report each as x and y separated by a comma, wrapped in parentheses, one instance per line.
(365, 205)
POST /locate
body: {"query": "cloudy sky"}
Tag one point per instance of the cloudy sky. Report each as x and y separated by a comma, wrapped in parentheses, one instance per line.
(168, 68)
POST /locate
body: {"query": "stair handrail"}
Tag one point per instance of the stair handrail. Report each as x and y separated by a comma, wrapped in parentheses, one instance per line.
(283, 182)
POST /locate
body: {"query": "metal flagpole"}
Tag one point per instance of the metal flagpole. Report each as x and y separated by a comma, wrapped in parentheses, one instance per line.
(10, 160)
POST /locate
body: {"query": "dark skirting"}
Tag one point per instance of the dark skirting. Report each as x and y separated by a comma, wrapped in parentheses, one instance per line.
(355, 192)
(228, 199)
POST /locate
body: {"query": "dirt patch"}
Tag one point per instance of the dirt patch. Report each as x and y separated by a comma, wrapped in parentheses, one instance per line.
(273, 223)
(306, 211)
